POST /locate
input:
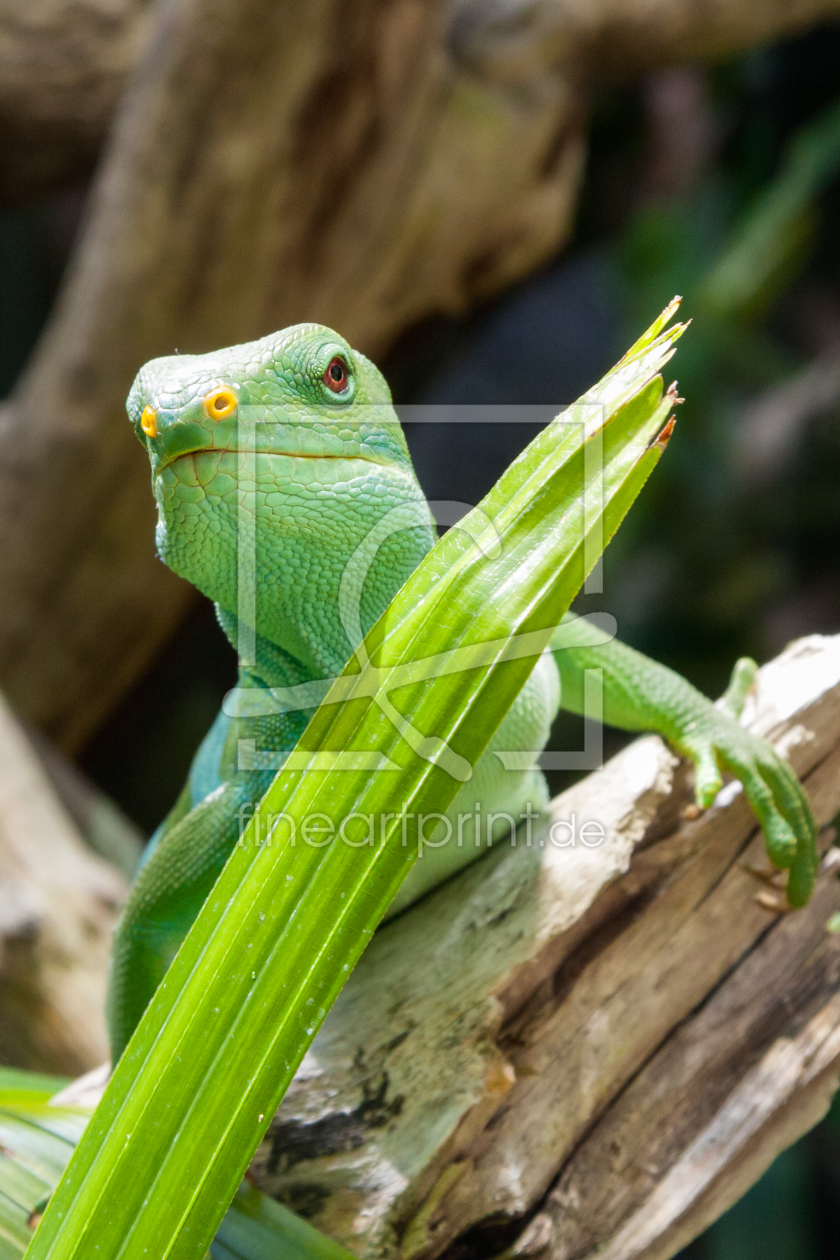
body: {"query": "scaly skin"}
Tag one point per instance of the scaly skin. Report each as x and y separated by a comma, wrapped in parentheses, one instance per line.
(293, 442)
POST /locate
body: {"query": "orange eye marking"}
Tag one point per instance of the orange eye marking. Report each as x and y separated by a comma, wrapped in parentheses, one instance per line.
(220, 402)
(148, 421)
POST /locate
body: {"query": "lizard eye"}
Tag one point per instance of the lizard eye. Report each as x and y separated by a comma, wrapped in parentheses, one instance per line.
(335, 377)
(220, 402)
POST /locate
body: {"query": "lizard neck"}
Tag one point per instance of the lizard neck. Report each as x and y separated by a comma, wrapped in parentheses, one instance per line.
(354, 594)
(318, 561)
(262, 663)
(301, 638)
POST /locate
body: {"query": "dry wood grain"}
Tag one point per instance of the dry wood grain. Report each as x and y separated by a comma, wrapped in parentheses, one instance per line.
(63, 65)
(514, 40)
(580, 1052)
(58, 905)
(100, 821)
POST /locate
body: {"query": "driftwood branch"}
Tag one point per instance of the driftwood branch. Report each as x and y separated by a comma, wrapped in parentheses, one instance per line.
(58, 904)
(365, 166)
(99, 821)
(62, 68)
(516, 40)
(576, 1052)
(63, 65)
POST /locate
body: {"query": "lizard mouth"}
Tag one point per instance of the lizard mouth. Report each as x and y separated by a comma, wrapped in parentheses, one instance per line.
(244, 452)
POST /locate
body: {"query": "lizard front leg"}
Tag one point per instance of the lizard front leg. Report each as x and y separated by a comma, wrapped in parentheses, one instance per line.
(166, 897)
(641, 695)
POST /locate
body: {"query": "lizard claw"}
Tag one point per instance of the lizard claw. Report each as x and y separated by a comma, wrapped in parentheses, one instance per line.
(773, 902)
(740, 685)
(767, 874)
(716, 743)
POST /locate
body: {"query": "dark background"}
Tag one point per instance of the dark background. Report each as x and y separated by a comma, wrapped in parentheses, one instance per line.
(733, 547)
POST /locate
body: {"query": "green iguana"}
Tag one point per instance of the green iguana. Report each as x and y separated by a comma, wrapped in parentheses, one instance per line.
(288, 451)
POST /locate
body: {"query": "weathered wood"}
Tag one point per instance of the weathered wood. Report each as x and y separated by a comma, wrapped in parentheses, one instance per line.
(582, 1051)
(515, 40)
(365, 166)
(58, 905)
(63, 65)
(99, 820)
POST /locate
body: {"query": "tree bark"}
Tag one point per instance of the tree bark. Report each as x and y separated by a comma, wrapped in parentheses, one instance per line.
(62, 65)
(58, 905)
(517, 40)
(62, 69)
(99, 821)
(579, 1052)
(364, 167)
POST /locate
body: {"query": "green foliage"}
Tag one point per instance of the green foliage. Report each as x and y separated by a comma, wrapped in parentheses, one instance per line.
(771, 239)
(696, 578)
(201, 1078)
(37, 1141)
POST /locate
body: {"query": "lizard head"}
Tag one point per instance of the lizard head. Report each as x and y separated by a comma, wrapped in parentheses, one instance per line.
(272, 462)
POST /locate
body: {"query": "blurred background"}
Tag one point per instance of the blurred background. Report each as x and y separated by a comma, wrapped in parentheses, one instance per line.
(718, 180)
